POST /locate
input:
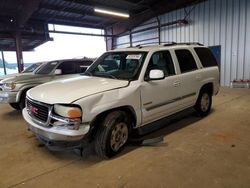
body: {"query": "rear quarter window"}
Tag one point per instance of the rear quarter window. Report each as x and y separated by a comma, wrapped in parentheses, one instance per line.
(206, 57)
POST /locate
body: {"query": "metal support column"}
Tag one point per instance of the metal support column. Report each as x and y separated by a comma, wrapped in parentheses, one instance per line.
(159, 29)
(4, 67)
(130, 39)
(19, 53)
(109, 38)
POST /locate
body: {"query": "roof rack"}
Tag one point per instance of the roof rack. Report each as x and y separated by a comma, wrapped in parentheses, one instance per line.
(191, 43)
(183, 43)
(169, 44)
(165, 44)
(153, 43)
(138, 46)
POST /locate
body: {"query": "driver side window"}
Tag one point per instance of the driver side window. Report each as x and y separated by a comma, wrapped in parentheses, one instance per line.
(67, 67)
(161, 60)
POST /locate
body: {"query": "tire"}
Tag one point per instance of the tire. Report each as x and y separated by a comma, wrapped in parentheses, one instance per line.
(113, 134)
(203, 103)
(21, 104)
(15, 106)
(22, 101)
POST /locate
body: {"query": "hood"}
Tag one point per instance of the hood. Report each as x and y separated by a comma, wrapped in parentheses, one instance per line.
(26, 78)
(69, 90)
(11, 76)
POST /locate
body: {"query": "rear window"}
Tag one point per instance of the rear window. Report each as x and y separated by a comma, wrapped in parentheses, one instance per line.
(206, 57)
(186, 60)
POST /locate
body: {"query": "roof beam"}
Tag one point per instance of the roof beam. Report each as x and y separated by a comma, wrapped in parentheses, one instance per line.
(24, 36)
(121, 3)
(59, 8)
(63, 20)
(26, 9)
(74, 11)
(78, 11)
(79, 33)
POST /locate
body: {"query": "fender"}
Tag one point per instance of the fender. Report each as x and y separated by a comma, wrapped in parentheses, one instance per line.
(25, 88)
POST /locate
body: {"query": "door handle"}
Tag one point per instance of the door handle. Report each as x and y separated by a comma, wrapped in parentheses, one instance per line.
(176, 83)
(198, 77)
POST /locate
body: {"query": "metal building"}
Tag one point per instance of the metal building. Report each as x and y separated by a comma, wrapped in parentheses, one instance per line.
(223, 25)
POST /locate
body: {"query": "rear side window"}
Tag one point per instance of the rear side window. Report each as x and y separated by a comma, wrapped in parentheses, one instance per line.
(206, 57)
(186, 60)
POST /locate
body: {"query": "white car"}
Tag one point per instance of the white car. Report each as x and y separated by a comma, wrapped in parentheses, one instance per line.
(125, 90)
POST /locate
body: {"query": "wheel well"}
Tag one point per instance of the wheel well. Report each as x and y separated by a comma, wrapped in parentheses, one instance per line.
(98, 119)
(208, 87)
(23, 92)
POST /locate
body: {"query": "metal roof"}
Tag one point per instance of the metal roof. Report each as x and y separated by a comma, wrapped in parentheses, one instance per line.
(30, 17)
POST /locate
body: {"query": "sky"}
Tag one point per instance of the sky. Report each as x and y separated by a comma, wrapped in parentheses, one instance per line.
(64, 46)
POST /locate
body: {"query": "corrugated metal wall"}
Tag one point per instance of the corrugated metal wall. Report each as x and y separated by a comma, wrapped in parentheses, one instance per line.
(214, 22)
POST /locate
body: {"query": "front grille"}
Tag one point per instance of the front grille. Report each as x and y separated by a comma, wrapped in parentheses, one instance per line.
(37, 110)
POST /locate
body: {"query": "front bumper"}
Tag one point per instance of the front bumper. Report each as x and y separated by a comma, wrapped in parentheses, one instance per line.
(55, 134)
(8, 97)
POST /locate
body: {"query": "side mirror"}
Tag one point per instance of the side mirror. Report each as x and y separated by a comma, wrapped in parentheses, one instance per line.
(58, 71)
(156, 75)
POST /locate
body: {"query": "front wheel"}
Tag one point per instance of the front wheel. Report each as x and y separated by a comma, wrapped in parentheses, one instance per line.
(21, 104)
(113, 134)
(203, 103)
(22, 101)
(15, 106)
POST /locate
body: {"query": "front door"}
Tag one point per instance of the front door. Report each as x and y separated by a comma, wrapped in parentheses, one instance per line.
(160, 97)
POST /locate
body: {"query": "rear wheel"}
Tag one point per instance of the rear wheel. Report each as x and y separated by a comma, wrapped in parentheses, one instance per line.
(203, 103)
(113, 134)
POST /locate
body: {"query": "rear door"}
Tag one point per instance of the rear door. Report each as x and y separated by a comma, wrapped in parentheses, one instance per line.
(190, 77)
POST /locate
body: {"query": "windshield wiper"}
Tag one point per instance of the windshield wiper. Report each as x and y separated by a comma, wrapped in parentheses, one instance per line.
(87, 74)
(106, 75)
(112, 76)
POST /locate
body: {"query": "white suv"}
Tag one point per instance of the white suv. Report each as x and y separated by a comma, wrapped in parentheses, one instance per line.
(124, 90)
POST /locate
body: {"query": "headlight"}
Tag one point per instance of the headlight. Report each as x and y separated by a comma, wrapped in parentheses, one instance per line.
(9, 86)
(68, 112)
(68, 117)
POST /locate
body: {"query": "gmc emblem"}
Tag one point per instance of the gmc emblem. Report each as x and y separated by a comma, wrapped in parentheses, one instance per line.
(33, 110)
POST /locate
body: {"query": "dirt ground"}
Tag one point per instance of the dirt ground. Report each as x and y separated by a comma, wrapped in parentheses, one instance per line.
(209, 152)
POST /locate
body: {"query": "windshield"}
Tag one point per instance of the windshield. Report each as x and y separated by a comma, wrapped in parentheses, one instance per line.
(48, 68)
(118, 65)
(32, 67)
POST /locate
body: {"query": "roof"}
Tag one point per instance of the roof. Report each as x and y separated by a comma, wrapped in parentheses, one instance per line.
(74, 59)
(30, 17)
